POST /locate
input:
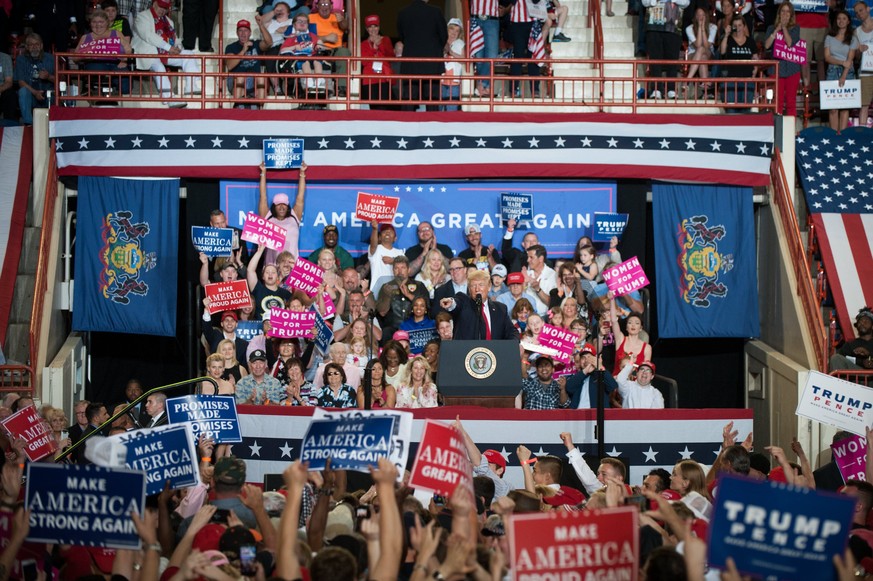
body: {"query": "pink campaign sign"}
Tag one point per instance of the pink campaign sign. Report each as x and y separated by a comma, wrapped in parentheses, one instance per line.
(850, 456)
(305, 276)
(561, 340)
(626, 277)
(291, 324)
(262, 232)
(795, 54)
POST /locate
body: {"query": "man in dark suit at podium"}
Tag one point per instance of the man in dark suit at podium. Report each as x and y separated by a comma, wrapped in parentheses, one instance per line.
(474, 316)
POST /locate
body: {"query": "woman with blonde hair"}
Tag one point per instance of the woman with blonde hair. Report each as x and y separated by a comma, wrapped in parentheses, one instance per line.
(215, 369)
(434, 271)
(233, 371)
(417, 390)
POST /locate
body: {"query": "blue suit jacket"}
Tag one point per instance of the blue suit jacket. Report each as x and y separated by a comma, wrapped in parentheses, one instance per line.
(575, 383)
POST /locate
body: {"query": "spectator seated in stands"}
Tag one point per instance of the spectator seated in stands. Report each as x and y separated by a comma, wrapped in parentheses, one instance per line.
(259, 387)
(738, 44)
(520, 314)
(582, 386)
(376, 46)
(330, 238)
(116, 22)
(339, 354)
(35, 74)
(639, 393)
(300, 42)
(701, 38)
(557, 13)
(544, 392)
(516, 283)
(434, 271)
(331, 26)
(482, 257)
(239, 85)
(106, 44)
(382, 394)
(336, 393)
(417, 390)
(396, 296)
(8, 101)
(215, 370)
(858, 353)
(153, 33)
(417, 319)
(540, 277)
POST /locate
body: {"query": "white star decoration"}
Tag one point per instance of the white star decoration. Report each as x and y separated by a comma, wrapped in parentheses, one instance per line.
(612, 141)
(480, 142)
(216, 142)
(455, 142)
(190, 142)
(534, 142)
(256, 449)
(650, 455)
(376, 142)
(286, 450)
(690, 144)
(110, 143)
(614, 452)
(686, 453)
(507, 142)
(559, 142)
(83, 143)
(243, 142)
(638, 143)
(322, 143)
(401, 143)
(586, 142)
(665, 144)
(350, 143)
(163, 141)
(428, 142)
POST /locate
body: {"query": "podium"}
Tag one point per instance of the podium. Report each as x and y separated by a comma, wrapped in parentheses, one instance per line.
(480, 373)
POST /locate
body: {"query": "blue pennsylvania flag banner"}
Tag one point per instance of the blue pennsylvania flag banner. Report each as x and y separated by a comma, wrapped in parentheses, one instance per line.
(351, 444)
(775, 531)
(126, 256)
(214, 415)
(84, 505)
(707, 282)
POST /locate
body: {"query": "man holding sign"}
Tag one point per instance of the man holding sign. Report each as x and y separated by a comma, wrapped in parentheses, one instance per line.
(281, 213)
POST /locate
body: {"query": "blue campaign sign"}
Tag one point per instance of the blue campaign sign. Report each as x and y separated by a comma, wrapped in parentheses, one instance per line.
(608, 225)
(213, 414)
(323, 334)
(564, 212)
(165, 453)
(212, 241)
(811, 6)
(518, 207)
(351, 444)
(84, 505)
(777, 531)
(419, 338)
(283, 153)
(247, 330)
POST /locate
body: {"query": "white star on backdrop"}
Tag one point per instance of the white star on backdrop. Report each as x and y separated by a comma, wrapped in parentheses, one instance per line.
(256, 449)
(190, 142)
(650, 454)
(286, 450)
(136, 142)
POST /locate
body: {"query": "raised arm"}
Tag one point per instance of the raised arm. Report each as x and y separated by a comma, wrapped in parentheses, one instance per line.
(390, 526)
(374, 237)
(287, 565)
(252, 268)
(263, 206)
(472, 449)
(583, 471)
(524, 454)
(616, 328)
(301, 192)
(204, 269)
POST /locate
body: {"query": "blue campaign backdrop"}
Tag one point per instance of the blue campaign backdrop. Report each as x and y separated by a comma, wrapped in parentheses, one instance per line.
(776, 531)
(126, 256)
(564, 211)
(84, 505)
(705, 257)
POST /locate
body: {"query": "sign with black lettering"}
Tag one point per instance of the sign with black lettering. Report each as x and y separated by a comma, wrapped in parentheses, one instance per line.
(84, 505)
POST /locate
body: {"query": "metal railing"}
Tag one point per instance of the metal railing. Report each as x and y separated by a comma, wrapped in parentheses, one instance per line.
(196, 381)
(802, 273)
(862, 377)
(583, 86)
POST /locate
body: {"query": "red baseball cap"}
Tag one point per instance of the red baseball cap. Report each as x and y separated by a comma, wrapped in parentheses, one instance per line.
(588, 348)
(515, 278)
(372, 20)
(243, 24)
(495, 457)
(648, 364)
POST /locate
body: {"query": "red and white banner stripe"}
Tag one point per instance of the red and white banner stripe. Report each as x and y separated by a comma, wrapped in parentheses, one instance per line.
(846, 242)
(16, 162)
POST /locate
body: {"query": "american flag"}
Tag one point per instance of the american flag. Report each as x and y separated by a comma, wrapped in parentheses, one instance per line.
(536, 44)
(477, 37)
(837, 175)
(219, 143)
(16, 159)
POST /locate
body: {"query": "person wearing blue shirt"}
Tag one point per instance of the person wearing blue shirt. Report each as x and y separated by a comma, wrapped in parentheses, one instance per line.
(35, 75)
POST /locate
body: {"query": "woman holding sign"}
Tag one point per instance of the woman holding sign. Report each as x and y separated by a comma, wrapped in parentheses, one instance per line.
(839, 47)
(281, 213)
(106, 43)
(781, 36)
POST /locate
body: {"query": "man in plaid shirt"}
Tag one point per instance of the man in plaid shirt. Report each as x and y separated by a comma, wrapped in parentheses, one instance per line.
(543, 393)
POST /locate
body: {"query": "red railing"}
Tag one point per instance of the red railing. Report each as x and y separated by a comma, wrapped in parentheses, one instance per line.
(863, 377)
(555, 91)
(802, 273)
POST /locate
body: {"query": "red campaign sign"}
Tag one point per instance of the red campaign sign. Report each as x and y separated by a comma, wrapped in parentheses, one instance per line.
(227, 296)
(370, 207)
(27, 423)
(305, 276)
(441, 464)
(263, 232)
(626, 277)
(561, 340)
(291, 324)
(587, 544)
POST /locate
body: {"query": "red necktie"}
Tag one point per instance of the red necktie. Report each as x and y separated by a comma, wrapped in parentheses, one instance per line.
(487, 326)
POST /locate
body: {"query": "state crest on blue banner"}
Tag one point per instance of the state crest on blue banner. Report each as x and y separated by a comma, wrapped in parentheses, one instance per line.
(126, 256)
(707, 280)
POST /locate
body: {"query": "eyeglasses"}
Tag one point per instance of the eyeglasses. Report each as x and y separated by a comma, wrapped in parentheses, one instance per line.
(454, 268)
